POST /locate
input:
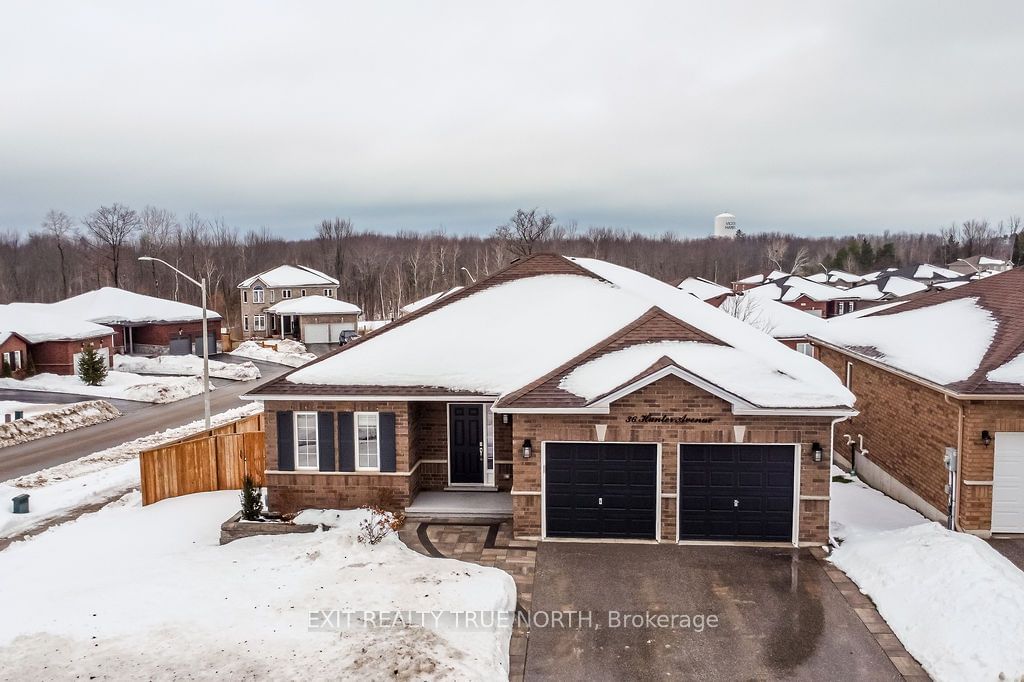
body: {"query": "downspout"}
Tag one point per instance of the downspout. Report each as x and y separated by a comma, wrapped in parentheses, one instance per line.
(832, 443)
(955, 489)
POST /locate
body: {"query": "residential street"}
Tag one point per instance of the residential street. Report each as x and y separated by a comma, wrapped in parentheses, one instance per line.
(26, 458)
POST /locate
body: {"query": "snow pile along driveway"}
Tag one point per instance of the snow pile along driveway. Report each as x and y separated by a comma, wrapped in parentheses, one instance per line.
(186, 365)
(291, 353)
(122, 385)
(154, 596)
(58, 420)
(955, 603)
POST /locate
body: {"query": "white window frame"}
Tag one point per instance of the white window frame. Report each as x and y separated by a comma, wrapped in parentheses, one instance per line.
(273, 323)
(245, 296)
(302, 292)
(329, 293)
(286, 293)
(316, 442)
(273, 295)
(355, 429)
(841, 308)
(257, 294)
(245, 323)
(259, 323)
(805, 347)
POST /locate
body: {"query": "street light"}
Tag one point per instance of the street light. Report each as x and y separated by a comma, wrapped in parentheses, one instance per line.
(976, 270)
(471, 277)
(206, 337)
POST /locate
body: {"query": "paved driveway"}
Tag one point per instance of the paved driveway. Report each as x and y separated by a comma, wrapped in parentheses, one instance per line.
(779, 616)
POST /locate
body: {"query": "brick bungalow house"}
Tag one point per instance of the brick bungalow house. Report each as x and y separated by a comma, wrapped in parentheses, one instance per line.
(602, 403)
(13, 353)
(314, 319)
(53, 339)
(285, 282)
(943, 370)
(803, 294)
(145, 325)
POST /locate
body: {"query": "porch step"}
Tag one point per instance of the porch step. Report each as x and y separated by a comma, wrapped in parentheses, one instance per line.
(452, 507)
(471, 489)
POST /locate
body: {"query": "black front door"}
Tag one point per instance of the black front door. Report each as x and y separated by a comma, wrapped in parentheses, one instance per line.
(736, 492)
(466, 443)
(601, 490)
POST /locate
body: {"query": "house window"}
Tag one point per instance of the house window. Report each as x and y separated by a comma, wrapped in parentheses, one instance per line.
(245, 296)
(259, 323)
(849, 307)
(245, 323)
(306, 442)
(302, 292)
(805, 348)
(257, 294)
(328, 293)
(849, 375)
(273, 323)
(367, 441)
(286, 293)
(16, 356)
(840, 308)
(273, 295)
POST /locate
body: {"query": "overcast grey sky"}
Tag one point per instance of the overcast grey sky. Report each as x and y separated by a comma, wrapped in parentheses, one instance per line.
(816, 117)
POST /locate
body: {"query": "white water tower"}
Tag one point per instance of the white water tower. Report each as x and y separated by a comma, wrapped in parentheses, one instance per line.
(725, 226)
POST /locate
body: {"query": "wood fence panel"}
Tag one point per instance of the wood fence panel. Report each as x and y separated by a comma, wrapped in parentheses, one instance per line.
(237, 454)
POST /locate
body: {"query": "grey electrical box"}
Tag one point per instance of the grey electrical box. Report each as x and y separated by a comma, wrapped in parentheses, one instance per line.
(949, 459)
(20, 503)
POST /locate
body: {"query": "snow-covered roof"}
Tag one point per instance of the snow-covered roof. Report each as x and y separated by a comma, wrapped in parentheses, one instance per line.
(290, 276)
(111, 305)
(40, 322)
(525, 322)
(929, 271)
(314, 305)
(792, 288)
(779, 320)
(962, 338)
(761, 277)
(887, 286)
(427, 300)
(702, 288)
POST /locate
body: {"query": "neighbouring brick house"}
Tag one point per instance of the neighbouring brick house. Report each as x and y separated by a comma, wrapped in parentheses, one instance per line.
(13, 353)
(53, 340)
(145, 325)
(285, 282)
(944, 370)
(608, 405)
(314, 319)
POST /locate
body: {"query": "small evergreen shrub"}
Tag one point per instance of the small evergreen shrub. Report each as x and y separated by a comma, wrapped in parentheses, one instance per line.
(92, 367)
(252, 499)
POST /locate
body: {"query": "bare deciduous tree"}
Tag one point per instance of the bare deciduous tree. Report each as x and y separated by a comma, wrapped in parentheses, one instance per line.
(524, 231)
(111, 227)
(749, 310)
(335, 235)
(61, 227)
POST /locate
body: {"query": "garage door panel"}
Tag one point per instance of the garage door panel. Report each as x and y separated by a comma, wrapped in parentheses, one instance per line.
(600, 490)
(736, 492)
(1008, 483)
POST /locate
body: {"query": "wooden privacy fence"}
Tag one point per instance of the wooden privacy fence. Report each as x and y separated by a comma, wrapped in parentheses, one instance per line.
(213, 460)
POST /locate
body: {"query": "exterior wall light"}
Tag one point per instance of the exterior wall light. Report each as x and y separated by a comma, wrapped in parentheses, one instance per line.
(816, 451)
(986, 438)
(527, 449)
(504, 419)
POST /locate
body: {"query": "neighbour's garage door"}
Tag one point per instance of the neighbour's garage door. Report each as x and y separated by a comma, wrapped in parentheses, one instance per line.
(338, 327)
(736, 492)
(316, 333)
(1008, 484)
(180, 346)
(601, 490)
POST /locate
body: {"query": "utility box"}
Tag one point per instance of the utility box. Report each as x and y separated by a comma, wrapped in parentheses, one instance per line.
(20, 503)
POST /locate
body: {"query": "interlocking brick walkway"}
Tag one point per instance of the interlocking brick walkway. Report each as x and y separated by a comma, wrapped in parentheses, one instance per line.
(488, 544)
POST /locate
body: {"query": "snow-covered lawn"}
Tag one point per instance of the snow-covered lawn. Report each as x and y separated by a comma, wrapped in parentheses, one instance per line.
(122, 385)
(955, 603)
(291, 353)
(147, 593)
(186, 365)
(55, 419)
(93, 478)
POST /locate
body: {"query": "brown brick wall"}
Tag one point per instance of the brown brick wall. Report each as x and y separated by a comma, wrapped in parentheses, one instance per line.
(978, 460)
(161, 334)
(58, 357)
(676, 397)
(15, 344)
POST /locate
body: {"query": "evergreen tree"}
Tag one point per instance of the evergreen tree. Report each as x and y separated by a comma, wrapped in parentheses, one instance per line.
(1016, 257)
(252, 499)
(866, 257)
(92, 367)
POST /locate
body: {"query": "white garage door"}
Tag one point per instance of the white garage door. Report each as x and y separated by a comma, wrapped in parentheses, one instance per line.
(338, 327)
(316, 333)
(1008, 484)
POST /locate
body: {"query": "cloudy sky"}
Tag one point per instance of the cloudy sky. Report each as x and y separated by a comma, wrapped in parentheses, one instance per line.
(808, 117)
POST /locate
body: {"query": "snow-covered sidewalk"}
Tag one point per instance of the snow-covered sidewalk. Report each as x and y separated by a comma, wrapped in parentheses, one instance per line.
(122, 385)
(91, 479)
(152, 595)
(291, 353)
(186, 365)
(955, 603)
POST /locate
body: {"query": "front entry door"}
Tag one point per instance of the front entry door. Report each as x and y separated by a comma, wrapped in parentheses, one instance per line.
(466, 443)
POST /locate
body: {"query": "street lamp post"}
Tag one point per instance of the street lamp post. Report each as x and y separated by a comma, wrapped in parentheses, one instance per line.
(206, 337)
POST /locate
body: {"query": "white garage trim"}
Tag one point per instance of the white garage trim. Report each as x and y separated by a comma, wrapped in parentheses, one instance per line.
(1008, 483)
(795, 541)
(543, 492)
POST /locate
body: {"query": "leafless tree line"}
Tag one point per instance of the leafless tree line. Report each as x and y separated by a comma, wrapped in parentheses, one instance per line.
(382, 272)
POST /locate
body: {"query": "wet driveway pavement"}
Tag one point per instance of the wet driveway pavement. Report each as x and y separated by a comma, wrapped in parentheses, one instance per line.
(778, 616)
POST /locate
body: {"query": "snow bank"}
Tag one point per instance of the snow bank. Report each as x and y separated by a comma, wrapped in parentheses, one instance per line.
(291, 353)
(151, 583)
(186, 365)
(956, 604)
(944, 343)
(123, 385)
(92, 478)
(60, 420)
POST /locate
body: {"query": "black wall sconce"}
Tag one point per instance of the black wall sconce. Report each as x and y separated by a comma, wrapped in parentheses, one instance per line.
(816, 451)
(527, 449)
(986, 438)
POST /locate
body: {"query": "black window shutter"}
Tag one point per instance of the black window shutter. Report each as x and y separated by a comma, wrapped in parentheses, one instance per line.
(387, 441)
(285, 442)
(325, 432)
(346, 442)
